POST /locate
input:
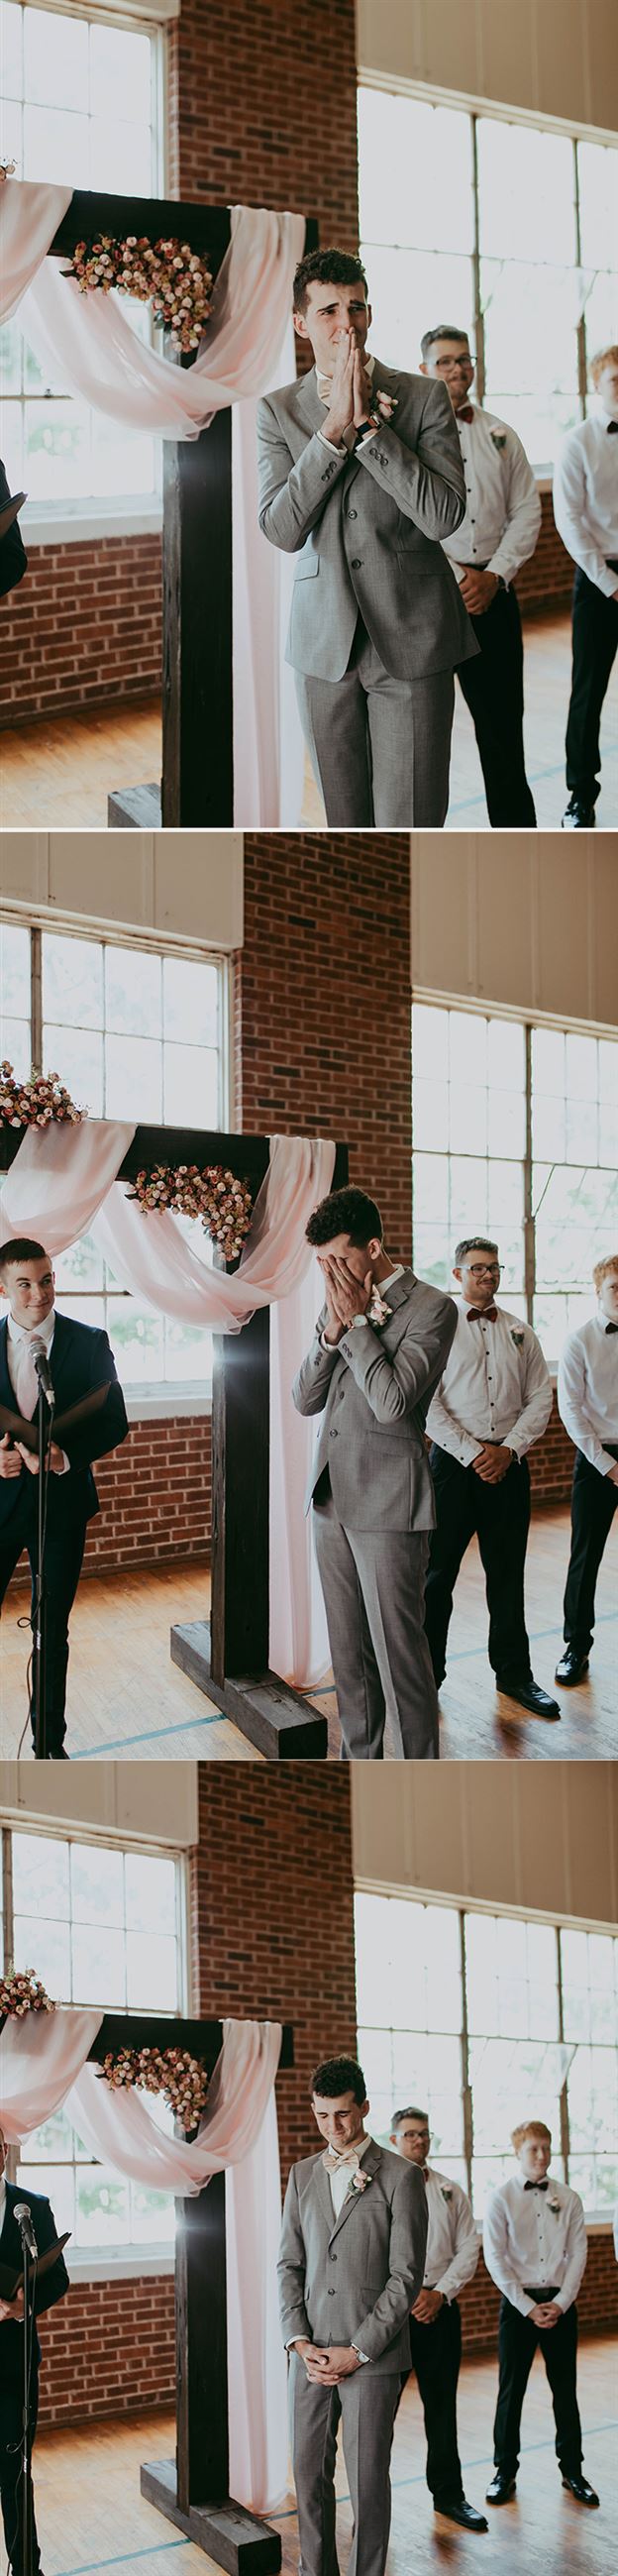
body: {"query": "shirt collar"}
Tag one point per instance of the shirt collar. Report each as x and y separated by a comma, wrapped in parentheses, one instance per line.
(383, 1284)
(523, 2178)
(324, 382)
(35, 1332)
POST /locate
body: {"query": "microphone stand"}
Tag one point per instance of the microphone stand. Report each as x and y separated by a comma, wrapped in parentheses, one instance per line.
(27, 2562)
(45, 1425)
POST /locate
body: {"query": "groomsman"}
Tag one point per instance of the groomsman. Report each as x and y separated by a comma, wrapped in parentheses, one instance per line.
(435, 2319)
(497, 536)
(52, 2286)
(492, 1402)
(588, 1404)
(360, 478)
(350, 2268)
(380, 1343)
(534, 2242)
(586, 515)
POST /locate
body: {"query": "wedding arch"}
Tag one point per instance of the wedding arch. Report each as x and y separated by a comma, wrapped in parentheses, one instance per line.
(265, 1645)
(231, 2457)
(232, 748)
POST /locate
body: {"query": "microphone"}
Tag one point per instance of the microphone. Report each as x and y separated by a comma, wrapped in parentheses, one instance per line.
(43, 1370)
(24, 2222)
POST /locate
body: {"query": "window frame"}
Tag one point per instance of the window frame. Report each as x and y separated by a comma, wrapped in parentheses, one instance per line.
(153, 1399)
(126, 2262)
(597, 2221)
(82, 518)
(479, 109)
(528, 1020)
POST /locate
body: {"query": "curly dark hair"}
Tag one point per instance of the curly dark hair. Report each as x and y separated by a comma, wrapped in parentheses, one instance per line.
(347, 1211)
(327, 268)
(339, 2075)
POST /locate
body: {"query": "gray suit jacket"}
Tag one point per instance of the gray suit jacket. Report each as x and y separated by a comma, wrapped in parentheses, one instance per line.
(354, 2278)
(373, 1389)
(366, 530)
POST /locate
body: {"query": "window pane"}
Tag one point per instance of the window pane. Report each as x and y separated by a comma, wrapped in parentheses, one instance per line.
(526, 191)
(150, 1893)
(598, 202)
(97, 1888)
(16, 1046)
(56, 141)
(132, 992)
(15, 969)
(77, 1055)
(73, 981)
(191, 1086)
(56, 58)
(151, 1971)
(11, 30)
(120, 74)
(98, 1970)
(410, 140)
(133, 1073)
(45, 1946)
(190, 1002)
(41, 1876)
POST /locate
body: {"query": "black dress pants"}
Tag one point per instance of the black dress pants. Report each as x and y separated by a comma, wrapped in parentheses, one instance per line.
(63, 1561)
(11, 2481)
(436, 2355)
(595, 643)
(493, 688)
(500, 1515)
(594, 1501)
(517, 2344)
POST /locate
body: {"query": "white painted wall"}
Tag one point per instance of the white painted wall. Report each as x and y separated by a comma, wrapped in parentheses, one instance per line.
(546, 57)
(135, 1801)
(528, 921)
(180, 885)
(539, 1836)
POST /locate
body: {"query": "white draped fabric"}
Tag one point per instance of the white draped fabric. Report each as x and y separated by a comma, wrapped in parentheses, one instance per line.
(85, 343)
(43, 2064)
(62, 1183)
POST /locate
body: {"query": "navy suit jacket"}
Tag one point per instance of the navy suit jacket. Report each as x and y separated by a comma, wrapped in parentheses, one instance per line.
(13, 557)
(80, 1360)
(51, 2287)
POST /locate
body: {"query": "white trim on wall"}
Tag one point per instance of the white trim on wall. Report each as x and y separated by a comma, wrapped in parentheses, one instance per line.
(478, 104)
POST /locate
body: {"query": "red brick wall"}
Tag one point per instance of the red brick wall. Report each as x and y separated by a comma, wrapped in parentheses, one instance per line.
(263, 107)
(551, 1463)
(83, 629)
(547, 580)
(108, 2349)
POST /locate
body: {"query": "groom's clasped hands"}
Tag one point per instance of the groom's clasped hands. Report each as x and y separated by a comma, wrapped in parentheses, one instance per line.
(350, 390)
(329, 2363)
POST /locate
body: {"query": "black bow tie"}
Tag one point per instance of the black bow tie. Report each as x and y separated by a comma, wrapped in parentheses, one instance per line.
(612, 428)
(612, 1328)
(536, 2186)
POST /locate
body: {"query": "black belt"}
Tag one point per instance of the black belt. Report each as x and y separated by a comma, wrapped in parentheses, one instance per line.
(541, 2297)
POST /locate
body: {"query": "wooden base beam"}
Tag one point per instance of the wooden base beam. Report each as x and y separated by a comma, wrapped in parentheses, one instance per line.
(134, 809)
(274, 1717)
(237, 2540)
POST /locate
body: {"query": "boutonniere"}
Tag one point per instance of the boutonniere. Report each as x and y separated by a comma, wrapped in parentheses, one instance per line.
(518, 1339)
(360, 2181)
(498, 436)
(385, 403)
(554, 2205)
(377, 1310)
(446, 2192)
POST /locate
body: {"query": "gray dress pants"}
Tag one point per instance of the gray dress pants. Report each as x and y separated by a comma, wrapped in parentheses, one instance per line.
(373, 1583)
(364, 2405)
(380, 747)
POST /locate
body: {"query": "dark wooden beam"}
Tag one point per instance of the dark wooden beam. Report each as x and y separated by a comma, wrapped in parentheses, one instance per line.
(92, 212)
(172, 2030)
(277, 1719)
(246, 1156)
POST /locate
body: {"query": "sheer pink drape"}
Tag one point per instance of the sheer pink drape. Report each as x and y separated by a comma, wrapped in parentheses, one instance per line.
(43, 2064)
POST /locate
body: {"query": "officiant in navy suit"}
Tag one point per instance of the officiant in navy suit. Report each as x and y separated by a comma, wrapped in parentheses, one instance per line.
(80, 1360)
(51, 2287)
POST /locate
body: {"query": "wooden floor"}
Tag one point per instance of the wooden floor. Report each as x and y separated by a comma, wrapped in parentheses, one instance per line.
(91, 2515)
(59, 772)
(127, 1700)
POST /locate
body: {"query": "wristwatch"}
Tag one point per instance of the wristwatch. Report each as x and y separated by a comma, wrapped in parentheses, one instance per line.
(361, 2356)
(358, 1319)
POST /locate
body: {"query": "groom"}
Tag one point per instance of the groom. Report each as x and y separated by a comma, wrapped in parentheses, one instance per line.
(350, 2268)
(361, 479)
(380, 1345)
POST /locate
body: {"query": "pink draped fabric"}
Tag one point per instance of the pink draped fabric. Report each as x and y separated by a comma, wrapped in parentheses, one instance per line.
(30, 213)
(43, 2064)
(59, 1179)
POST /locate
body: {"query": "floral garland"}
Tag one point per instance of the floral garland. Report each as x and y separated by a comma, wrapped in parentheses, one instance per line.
(169, 275)
(171, 2071)
(221, 1200)
(35, 1103)
(21, 1992)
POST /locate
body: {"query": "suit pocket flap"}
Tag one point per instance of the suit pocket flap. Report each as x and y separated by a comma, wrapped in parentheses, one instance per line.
(306, 567)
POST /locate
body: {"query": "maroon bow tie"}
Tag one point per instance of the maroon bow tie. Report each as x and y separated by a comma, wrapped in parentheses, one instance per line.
(466, 412)
(536, 2186)
(482, 1314)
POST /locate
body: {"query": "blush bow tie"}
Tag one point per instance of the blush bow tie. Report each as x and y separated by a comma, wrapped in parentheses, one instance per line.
(466, 412)
(536, 2186)
(334, 2162)
(482, 1314)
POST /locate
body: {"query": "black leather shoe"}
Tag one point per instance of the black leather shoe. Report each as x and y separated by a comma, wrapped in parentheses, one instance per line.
(458, 2510)
(579, 2488)
(578, 818)
(528, 1694)
(501, 2489)
(571, 1668)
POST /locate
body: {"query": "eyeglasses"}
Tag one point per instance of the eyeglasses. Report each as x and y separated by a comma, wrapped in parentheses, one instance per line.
(455, 366)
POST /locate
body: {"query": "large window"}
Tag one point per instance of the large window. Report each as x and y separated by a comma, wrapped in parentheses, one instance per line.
(127, 1028)
(102, 1926)
(503, 227)
(80, 105)
(487, 2019)
(515, 1134)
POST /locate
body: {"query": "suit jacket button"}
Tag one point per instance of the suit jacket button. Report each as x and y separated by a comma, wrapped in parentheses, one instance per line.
(357, 563)
(333, 1435)
(352, 514)
(331, 2294)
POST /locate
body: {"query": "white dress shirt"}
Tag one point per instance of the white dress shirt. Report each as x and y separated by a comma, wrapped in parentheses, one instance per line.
(18, 1333)
(588, 1390)
(586, 498)
(503, 508)
(2, 2201)
(341, 2175)
(496, 1386)
(453, 2246)
(535, 2240)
